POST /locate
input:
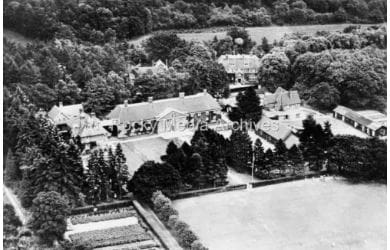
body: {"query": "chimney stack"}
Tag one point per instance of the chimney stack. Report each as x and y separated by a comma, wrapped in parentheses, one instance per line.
(205, 91)
(60, 104)
(259, 86)
(125, 103)
(181, 95)
(150, 99)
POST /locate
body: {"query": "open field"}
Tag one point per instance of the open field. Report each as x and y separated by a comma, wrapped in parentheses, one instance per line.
(257, 33)
(308, 214)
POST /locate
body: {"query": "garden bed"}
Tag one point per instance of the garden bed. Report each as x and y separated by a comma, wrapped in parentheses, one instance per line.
(112, 214)
(112, 236)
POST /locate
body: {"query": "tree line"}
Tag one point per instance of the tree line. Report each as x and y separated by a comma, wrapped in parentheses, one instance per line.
(105, 20)
(199, 165)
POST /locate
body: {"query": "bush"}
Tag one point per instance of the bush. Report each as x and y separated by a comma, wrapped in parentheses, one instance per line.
(173, 219)
(196, 245)
(160, 202)
(180, 226)
(48, 220)
(166, 211)
(186, 238)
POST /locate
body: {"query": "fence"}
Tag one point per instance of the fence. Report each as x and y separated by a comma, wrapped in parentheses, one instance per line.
(102, 207)
(195, 193)
(284, 179)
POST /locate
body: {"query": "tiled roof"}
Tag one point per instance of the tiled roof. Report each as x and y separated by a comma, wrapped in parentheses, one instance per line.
(147, 111)
(80, 123)
(61, 113)
(369, 118)
(274, 128)
(237, 63)
(281, 98)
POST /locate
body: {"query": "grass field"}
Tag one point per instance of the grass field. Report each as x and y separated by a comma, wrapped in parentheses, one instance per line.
(257, 33)
(308, 214)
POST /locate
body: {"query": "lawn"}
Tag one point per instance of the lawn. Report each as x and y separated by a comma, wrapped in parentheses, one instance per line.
(139, 151)
(308, 214)
(257, 33)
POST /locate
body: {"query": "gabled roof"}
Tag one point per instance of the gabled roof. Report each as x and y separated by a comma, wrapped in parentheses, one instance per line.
(274, 128)
(282, 98)
(154, 69)
(146, 111)
(61, 113)
(370, 118)
(236, 63)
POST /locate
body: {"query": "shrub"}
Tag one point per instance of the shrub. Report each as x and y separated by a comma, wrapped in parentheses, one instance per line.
(180, 226)
(172, 221)
(166, 211)
(187, 237)
(196, 245)
(160, 202)
(48, 220)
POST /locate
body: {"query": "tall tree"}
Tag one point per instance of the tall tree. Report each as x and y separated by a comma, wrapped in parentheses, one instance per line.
(248, 105)
(48, 216)
(240, 150)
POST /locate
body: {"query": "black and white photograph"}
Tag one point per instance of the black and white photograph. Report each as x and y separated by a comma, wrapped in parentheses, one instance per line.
(194, 124)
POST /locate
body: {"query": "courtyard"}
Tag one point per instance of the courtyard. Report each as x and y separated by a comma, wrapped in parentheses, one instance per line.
(307, 214)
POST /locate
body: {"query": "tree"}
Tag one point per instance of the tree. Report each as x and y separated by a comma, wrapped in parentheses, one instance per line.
(274, 71)
(100, 97)
(295, 157)
(153, 176)
(57, 165)
(48, 216)
(324, 96)
(93, 179)
(207, 74)
(246, 45)
(259, 154)
(248, 105)
(12, 172)
(122, 172)
(240, 150)
(160, 45)
(265, 46)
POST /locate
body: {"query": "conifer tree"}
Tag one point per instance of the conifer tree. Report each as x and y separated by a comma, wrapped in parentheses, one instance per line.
(57, 167)
(93, 179)
(112, 166)
(122, 171)
(241, 150)
(296, 159)
(103, 172)
(258, 152)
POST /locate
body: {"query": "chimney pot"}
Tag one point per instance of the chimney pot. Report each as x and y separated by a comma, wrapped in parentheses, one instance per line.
(126, 102)
(181, 94)
(205, 91)
(150, 99)
(60, 104)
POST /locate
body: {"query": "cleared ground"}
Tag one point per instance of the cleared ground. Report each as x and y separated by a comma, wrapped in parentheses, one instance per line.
(308, 214)
(257, 33)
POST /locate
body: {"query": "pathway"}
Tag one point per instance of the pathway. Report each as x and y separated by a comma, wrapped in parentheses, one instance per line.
(85, 227)
(157, 227)
(16, 204)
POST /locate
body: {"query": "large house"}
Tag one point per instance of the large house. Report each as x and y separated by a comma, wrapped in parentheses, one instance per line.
(157, 68)
(73, 121)
(242, 69)
(371, 122)
(274, 130)
(166, 115)
(282, 105)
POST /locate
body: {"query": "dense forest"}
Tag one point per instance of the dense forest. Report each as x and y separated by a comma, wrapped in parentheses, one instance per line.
(99, 21)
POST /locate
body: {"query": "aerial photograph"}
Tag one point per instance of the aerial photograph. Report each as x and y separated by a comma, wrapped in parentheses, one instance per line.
(194, 124)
